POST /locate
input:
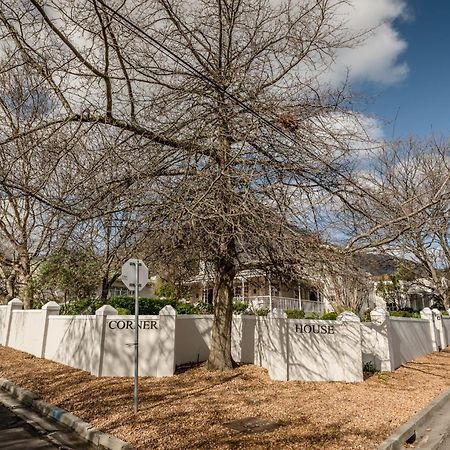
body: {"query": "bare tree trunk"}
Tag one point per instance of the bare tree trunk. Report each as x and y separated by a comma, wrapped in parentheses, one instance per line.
(10, 283)
(220, 349)
(25, 293)
(105, 289)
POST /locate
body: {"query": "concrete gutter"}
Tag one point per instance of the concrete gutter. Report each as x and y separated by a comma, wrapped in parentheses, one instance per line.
(94, 436)
(396, 440)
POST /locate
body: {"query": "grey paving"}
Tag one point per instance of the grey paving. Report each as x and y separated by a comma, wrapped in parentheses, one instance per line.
(21, 428)
(16, 434)
(445, 444)
(435, 432)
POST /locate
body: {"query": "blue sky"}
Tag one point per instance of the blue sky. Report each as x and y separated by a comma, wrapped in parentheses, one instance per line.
(418, 101)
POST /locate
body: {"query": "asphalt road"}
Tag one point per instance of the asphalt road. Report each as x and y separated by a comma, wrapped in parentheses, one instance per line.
(16, 434)
(21, 428)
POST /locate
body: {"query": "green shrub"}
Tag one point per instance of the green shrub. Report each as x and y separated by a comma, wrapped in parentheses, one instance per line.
(261, 312)
(147, 306)
(366, 316)
(295, 313)
(125, 306)
(369, 367)
(203, 308)
(79, 307)
(444, 313)
(313, 316)
(408, 314)
(186, 308)
(239, 307)
(330, 315)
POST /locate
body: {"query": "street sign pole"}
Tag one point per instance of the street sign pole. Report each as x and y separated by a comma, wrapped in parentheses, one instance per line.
(136, 339)
(135, 276)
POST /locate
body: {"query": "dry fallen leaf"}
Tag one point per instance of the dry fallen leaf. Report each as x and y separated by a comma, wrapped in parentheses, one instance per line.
(192, 409)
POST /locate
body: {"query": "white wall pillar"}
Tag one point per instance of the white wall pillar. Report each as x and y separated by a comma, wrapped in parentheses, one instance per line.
(49, 309)
(439, 329)
(99, 342)
(278, 340)
(353, 367)
(270, 294)
(427, 314)
(13, 305)
(166, 341)
(383, 348)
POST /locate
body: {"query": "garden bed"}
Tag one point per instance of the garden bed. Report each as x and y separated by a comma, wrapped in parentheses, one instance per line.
(201, 409)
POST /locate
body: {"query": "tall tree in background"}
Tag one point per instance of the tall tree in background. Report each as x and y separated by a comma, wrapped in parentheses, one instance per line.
(29, 228)
(412, 178)
(224, 131)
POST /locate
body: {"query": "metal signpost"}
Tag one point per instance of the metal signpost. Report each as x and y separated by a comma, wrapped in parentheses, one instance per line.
(135, 277)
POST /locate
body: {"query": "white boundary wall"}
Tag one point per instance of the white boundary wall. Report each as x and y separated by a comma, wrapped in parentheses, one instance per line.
(388, 342)
(446, 327)
(310, 350)
(192, 338)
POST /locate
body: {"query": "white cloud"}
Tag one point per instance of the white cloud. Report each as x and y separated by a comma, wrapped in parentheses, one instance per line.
(378, 57)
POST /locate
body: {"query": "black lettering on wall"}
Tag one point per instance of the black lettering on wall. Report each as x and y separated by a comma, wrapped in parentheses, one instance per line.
(129, 324)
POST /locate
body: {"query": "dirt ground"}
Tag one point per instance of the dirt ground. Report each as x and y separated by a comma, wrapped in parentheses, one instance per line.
(193, 409)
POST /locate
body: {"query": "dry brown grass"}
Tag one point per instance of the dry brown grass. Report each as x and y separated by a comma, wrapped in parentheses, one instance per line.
(190, 409)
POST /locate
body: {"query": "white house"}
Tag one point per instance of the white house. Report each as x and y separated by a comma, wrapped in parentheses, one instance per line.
(258, 290)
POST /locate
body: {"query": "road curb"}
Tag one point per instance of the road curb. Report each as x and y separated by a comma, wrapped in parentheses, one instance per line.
(396, 440)
(85, 430)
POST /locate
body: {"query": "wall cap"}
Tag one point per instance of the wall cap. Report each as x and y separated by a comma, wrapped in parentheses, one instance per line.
(15, 302)
(426, 313)
(168, 310)
(277, 314)
(51, 305)
(106, 310)
(348, 316)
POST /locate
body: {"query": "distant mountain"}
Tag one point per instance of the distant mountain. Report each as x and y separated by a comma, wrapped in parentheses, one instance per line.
(378, 264)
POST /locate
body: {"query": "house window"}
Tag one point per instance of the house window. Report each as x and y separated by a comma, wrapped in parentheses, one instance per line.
(120, 292)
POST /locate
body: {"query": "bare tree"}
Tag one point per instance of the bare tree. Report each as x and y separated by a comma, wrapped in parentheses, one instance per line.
(210, 116)
(346, 285)
(28, 227)
(412, 178)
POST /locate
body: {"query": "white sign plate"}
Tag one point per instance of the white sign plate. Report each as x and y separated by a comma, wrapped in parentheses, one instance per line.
(129, 274)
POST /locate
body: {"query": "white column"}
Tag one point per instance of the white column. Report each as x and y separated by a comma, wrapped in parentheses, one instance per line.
(49, 309)
(278, 340)
(166, 341)
(299, 297)
(382, 351)
(427, 314)
(270, 294)
(13, 305)
(99, 342)
(353, 369)
(242, 289)
(439, 327)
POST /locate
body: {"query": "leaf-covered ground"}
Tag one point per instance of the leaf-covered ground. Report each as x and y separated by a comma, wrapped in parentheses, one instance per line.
(192, 409)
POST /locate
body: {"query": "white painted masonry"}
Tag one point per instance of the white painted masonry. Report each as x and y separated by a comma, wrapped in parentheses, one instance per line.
(311, 350)
(192, 338)
(388, 342)
(445, 325)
